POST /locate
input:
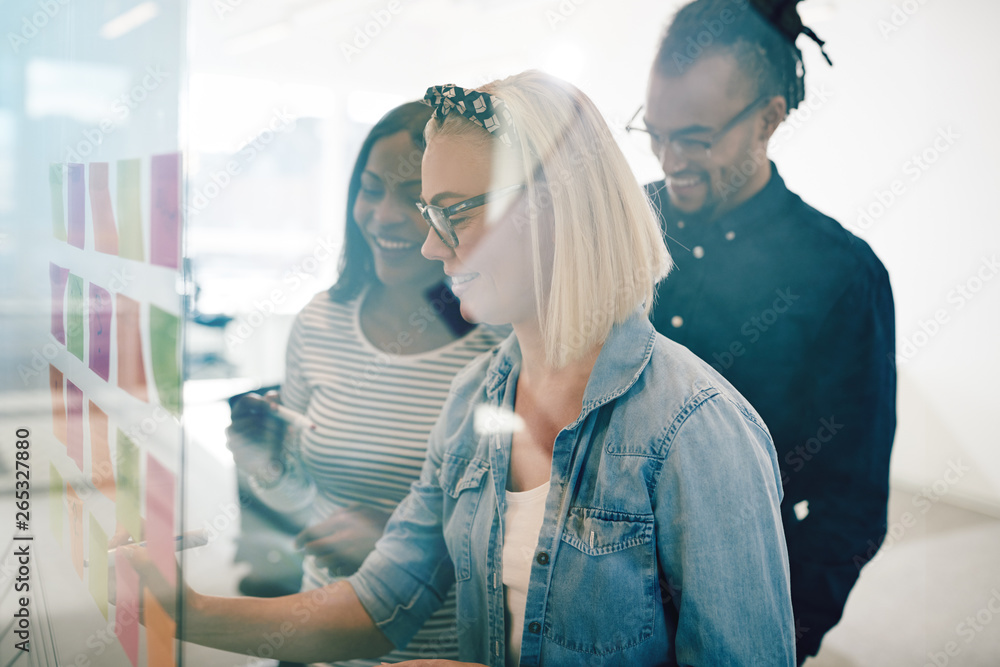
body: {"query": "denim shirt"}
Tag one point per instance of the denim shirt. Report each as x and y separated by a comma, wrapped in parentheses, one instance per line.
(661, 543)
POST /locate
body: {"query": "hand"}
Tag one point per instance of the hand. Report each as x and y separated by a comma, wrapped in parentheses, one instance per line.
(256, 435)
(151, 578)
(121, 537)
(343, 541)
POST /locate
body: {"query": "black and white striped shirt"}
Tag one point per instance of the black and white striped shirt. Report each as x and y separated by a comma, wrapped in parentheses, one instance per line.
(373, 413)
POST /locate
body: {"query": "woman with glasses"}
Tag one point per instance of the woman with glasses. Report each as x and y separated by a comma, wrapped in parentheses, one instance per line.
(595, 493)
(369, 364)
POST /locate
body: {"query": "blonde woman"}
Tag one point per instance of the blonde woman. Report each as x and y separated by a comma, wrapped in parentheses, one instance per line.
(596, 494)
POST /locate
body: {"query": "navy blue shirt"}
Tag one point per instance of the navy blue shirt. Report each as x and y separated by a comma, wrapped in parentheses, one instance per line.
(797, 313)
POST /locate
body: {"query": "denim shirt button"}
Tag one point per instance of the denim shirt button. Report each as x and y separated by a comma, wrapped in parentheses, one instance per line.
(542, 558)
(534, 627)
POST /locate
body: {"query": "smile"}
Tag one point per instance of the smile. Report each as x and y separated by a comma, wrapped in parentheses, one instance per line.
(460, 283)
(687, 182)
(393, 244)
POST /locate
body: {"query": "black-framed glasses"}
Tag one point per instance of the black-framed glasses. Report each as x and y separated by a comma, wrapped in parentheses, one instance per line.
(440, 218)
(693, 147)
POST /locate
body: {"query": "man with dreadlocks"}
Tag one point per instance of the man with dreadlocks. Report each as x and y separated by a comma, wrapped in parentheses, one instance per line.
(791, 308)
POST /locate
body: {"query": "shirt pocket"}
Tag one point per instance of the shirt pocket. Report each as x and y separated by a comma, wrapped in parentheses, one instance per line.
(606, 565)
(461, 480)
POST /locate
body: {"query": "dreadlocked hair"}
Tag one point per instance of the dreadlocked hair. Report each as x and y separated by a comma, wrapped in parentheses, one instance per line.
(759, 34)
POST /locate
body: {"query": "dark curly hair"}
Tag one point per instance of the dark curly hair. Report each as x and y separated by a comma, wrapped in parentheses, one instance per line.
(357, 265)
(759, 34)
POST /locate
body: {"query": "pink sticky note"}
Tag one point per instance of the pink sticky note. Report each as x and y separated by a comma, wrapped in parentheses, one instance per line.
(76, 201)
(105, 233)
(58, 277)
(100, 331)
(160, 518)
(74, 413)
(131, 370)
(127, 606)
(164, 218)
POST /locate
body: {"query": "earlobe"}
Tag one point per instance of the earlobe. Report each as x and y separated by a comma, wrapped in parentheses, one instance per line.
(774, 113)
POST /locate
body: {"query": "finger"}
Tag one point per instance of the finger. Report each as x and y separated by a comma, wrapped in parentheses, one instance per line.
(248, 405)
(333, 524)
(328, 544)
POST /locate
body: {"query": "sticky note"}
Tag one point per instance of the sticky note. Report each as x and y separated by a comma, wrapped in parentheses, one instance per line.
(75, 506)
(102, 471)
(58, 403)
(99, 311)
(58, 201)
(131, 369)
(101, 213)
(58, 277)
(160, 630)
(164, 330)
(97, 566)
(160, 518)
(127, 606)
(164, 218)
(74, 316)
(75, 200)
(130, 239)
(74, 426)
(127, 495)
(56, 492)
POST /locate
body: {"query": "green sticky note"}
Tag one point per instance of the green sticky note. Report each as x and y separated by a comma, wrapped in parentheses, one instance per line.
(129, 212)
(56, 491)
(164, 330)
(74, 317)
(97, 576)
(58, 205)
(127, 493)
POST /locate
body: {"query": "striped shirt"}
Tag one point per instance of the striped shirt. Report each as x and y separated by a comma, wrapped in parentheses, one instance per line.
(373, 413)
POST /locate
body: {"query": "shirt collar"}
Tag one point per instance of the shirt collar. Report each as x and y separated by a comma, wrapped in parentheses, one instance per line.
(764, 205)
(622, 359)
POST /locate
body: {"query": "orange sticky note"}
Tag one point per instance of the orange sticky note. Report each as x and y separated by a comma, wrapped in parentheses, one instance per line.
(56, 503)
(101, 213)
(75, 529)
(74, 430)
(58, 403)
(131, 370)
(160, 630)
(101, 469)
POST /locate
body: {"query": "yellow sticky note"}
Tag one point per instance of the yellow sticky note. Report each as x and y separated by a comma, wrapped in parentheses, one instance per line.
(98, 566)
(127, 495)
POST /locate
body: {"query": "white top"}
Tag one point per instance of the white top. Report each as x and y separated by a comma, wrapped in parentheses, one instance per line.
(373, 413)
(522, 521)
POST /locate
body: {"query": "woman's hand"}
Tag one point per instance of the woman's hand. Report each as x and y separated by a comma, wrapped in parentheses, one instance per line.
(343, 541)
(151, 578)
(256, 435)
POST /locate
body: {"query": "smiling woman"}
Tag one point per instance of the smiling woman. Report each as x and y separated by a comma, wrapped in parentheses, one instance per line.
(594, 493)
(370, 362)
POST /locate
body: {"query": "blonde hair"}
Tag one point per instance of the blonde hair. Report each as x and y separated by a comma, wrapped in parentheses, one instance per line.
(608, 251)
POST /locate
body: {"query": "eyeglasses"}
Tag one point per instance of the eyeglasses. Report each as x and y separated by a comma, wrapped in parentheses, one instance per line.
(440, 218)
(689, 147)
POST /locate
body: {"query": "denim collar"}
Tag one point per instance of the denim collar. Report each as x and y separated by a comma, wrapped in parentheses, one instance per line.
(622, 359)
